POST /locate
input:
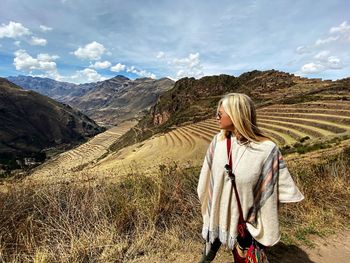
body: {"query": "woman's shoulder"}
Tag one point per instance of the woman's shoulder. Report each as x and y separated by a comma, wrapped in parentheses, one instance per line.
(220, 136)
(265, 144)
(264, 140)
(217, 136)
(215, 139)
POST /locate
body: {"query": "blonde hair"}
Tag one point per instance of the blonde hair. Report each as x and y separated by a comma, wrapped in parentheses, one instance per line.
(241, 110)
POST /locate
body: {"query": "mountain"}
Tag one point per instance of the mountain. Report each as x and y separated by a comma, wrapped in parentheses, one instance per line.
(57, 90)
(30, 123)
(108, 102)
(192, 100)
(118, 99)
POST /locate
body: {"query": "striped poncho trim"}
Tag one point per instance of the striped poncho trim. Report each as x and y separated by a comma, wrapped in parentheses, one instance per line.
(265, 186)
(209, 158)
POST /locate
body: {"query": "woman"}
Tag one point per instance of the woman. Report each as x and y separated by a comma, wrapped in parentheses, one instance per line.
(242, 180)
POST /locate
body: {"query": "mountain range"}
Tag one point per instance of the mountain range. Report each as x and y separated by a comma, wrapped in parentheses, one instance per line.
(107, 102)
(162, 105)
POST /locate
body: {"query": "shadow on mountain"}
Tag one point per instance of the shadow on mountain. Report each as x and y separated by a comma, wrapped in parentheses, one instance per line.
(282, 253)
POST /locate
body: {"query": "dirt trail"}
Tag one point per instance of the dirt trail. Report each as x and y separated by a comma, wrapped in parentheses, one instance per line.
(331, 249)
(335, 248)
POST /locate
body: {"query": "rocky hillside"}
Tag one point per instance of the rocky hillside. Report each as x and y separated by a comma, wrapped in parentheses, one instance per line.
(107, 102)
(31, 123)
(118, 99)
(192, 100)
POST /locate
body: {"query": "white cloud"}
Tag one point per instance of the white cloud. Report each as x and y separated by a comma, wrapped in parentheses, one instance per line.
(141, 73)
(101, 65)
(190, 61)
(338, 33)
(302, 50)
(343, 28)
(312, 68)
(325, 62)
(92, 51)
(24, 61)
(82, 76)
(189, 66)
(35, 41)
(118, 67)
(87, 75)
(334, 62)
(17, 43)
(45, 28)
(322, 56)
(326, 40)
(13, 30)
(160, 55)
(47, 57)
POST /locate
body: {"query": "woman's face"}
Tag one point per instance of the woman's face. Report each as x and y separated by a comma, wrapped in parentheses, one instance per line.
(224, 120)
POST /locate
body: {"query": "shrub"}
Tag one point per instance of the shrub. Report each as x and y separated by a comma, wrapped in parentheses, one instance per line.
(303, 139)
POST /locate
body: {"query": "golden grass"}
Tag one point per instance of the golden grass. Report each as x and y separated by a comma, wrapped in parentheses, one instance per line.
(327, 197)
(141, 215)
(97, 222)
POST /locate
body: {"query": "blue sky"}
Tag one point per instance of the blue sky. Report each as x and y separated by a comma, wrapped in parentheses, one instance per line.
(83, 41)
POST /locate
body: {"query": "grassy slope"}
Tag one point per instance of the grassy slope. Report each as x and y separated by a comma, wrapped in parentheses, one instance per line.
(142, 216)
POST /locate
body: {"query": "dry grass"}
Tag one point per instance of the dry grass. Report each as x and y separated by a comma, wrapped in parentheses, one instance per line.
(146, 215)
(98, 223)
(327, 198)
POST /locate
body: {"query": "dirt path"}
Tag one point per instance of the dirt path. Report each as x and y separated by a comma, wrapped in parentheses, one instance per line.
(331, 249)
(335, 248)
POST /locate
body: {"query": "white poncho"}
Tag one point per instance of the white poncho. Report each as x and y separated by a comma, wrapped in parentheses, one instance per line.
(262, 180)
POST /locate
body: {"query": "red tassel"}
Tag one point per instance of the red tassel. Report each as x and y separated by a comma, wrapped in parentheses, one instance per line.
(251, 257)
(255, 255)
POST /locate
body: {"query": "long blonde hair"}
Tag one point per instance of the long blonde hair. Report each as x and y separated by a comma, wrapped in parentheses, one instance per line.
(241, 110)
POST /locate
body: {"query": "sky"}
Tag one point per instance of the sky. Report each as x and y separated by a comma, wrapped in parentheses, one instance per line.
(83, 41)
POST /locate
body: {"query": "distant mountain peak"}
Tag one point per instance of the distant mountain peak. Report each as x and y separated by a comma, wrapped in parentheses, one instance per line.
(121, 77)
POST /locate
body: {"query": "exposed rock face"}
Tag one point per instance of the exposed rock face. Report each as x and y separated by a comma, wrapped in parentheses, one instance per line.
(31, 122)
(181, 101)
(160, 118)
(116, 100)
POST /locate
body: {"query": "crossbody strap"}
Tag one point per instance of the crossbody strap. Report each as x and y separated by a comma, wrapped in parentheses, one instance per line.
(232, 176)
